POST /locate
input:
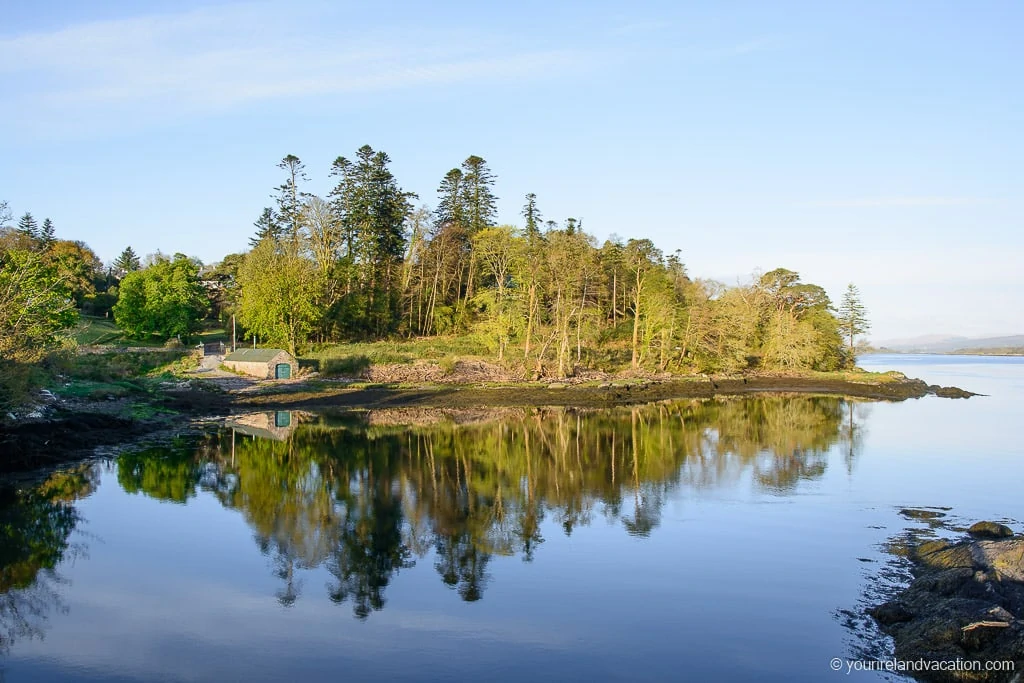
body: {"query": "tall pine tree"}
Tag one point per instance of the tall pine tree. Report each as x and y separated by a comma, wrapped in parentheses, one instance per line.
(126, 262)
(47, 234)
(372, 210)
(267, 227)
(533, 218)
(478, 195)
(451, 209)
(853, 318)
(289, 197)
(28, 227)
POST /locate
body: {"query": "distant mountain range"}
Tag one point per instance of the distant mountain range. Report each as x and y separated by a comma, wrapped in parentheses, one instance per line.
(937, 343)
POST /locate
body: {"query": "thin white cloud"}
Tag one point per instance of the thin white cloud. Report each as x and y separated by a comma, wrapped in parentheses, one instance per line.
(212, 59)
(884, 202)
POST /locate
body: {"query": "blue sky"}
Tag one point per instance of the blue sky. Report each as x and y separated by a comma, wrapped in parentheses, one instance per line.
(873, 142)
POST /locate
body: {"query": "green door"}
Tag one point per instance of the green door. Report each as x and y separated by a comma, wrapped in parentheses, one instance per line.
(283, 371)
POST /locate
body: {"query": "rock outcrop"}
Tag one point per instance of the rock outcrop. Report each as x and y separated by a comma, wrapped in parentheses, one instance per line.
(966, 602)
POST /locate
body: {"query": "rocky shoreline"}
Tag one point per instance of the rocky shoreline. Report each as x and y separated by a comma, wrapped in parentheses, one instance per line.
(69, 430)
(965, 603)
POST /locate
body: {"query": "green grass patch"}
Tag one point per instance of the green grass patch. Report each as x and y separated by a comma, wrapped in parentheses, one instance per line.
(861, 376)
(124, 366)
(214, 333)
(146, 411)
(94, 331)
(351, 359)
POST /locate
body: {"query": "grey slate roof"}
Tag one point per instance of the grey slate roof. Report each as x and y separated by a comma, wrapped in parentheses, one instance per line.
(253, 355)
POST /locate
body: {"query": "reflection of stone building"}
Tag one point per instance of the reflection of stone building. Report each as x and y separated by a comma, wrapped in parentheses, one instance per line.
(277, 425)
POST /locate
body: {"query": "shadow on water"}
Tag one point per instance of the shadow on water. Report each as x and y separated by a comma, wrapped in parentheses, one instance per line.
(365, 494)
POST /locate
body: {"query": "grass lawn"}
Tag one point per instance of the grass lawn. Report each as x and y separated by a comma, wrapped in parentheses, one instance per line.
(94, 331)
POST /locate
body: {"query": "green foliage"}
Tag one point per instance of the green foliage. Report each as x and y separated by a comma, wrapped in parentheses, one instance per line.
(28, 227)
(116, 366)
(76, 265)
(853, 318)
(268, 226)
(126, 262)
(366, 495)
(164, 300)
(35, 306)
(361, 265)
(35, 310)
(351, 359)
(369, 239)
(165, 473)
(47, 234)
(279, 289)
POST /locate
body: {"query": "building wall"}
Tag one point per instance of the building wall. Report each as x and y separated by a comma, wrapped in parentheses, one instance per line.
(283, 358)
(258, 370)
(263, 370)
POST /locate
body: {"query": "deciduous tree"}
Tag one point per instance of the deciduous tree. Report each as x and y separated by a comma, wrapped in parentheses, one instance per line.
(164, 300)
(278, 293)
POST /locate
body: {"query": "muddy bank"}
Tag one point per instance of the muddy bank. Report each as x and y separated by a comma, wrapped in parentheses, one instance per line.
(28, 445)
(74, 428)
(965, 602)
(327, 394)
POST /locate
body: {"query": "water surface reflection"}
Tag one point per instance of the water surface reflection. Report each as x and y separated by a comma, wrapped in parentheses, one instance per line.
(368, 494)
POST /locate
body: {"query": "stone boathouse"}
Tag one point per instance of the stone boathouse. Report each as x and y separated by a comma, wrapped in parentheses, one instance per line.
(263, 363)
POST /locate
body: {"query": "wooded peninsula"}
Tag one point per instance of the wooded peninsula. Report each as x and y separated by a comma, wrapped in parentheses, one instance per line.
(364, 268)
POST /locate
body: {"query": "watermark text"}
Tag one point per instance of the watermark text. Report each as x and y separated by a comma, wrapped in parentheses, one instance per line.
(913, 666)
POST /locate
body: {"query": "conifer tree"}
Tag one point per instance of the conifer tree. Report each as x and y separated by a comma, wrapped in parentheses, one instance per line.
(289, 197)
(533, 218)
(267, 226)
(126, 262)
(451, 209)
(853, 319)
(28, 227)
(478, 196)
(47, 234)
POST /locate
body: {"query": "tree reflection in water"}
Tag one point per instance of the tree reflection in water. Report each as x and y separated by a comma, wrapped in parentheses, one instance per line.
(367, 493)
(35, 526)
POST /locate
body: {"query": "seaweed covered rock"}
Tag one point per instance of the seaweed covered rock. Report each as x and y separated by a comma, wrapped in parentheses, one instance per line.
(966, 602)
(990, 530)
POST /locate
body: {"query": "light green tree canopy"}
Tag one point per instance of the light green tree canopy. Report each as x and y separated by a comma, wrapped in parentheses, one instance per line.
(164, 300)
(279, 288)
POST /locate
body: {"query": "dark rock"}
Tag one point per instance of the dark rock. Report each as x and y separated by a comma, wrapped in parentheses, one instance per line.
(951, 392)
(918, 513)
(891, 613)
(990, 530)
(978, 635)
(949, 557)
(966, 602)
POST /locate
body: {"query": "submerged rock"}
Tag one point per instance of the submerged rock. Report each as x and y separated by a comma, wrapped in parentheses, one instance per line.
(966, 602)
(923, 513)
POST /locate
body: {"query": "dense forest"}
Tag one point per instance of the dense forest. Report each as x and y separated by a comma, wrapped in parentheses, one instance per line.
(364, 263)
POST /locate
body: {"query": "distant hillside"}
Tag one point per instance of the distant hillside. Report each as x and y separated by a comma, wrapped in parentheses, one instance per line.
(1011, 344)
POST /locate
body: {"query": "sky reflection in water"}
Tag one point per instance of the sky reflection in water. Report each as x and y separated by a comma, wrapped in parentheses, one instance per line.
(686, 539)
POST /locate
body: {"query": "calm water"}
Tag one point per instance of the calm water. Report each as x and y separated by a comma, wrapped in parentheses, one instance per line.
(695, 540)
